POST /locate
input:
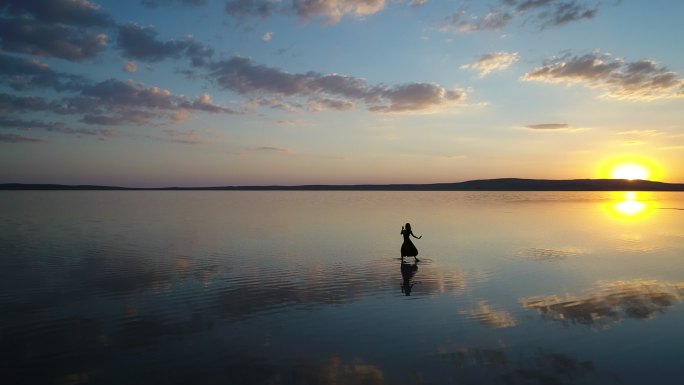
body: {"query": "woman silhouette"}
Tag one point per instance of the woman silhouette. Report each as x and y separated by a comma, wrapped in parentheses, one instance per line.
(408, 249)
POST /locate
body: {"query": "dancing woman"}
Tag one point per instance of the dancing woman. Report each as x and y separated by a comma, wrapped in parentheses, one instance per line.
(408, 249)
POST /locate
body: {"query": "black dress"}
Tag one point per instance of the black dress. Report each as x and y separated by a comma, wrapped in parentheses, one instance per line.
(408, 249)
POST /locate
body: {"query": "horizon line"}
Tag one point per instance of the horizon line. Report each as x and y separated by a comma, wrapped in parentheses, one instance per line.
(603, 184)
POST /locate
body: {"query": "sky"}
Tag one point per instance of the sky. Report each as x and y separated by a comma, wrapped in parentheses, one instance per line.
(154, 93)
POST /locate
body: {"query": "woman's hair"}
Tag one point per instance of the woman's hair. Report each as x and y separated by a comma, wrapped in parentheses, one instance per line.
(408, 227)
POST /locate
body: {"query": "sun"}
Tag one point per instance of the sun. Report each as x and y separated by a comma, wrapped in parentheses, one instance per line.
(630, 167)
(629, 171)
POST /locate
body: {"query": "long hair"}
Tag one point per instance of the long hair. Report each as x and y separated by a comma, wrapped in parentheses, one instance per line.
(408, 228)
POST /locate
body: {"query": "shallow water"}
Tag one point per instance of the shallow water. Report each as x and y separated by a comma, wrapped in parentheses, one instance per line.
(308, 288)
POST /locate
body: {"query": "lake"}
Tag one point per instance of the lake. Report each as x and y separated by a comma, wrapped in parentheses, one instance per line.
(231, 287)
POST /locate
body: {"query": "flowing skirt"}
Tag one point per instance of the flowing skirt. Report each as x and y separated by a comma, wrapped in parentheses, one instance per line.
(408, 249)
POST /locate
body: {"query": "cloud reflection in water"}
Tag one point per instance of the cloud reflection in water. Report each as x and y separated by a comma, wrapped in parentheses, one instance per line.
(492, 318)
(609, 302)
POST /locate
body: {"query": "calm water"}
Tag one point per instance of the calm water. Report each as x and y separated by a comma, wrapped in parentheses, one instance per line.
(308, 288)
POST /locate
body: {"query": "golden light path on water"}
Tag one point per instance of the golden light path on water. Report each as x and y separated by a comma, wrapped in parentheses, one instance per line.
(629, 205)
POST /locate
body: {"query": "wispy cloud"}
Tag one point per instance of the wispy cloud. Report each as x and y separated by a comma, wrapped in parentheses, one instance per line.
(633, 143)
(465, 22)
(638, 80)
(333, 10)
(490, 62)
(22, 124)
(246, 77)
(59, 127)
(271, 149)
(13, 138)
(551, 127)
(330, 11)
(542, 13)
(184, 137)
(167, 3)
(641, 132)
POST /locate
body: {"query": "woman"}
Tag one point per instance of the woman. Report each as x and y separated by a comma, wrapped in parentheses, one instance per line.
(407, 248)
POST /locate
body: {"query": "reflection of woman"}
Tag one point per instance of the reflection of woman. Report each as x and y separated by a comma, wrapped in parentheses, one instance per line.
(408, 249)
(407, 273)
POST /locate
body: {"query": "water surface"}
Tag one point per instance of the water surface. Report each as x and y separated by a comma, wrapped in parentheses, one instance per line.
(308, 288)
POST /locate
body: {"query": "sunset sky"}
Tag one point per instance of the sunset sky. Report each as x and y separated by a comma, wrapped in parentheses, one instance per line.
(255, 92)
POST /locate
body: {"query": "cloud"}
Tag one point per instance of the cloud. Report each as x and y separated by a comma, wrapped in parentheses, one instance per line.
(319, 105)
(639, 80)
(110, 102)
(336, 91)
(166, 3)
(417, 3)
(205, 103)
(641, 132)
(243, 9)
(13, 138)
(12, 103)
(490, 62)
(554, 12)
(138, 42)
(416, 97)
(67, 29)
(331, 11)
(271, 149)
(22, 74)
(551, 127)
(114, 102)
(183, 137)
(566, 12)
(273, 102)
(542, 13)
(57, 40)
(609, 302)
(130, 67)
(82, 13)
(267, 36)
(29, 125)
(464, 22)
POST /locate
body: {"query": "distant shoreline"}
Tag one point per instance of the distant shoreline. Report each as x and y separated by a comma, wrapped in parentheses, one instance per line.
(502, 184)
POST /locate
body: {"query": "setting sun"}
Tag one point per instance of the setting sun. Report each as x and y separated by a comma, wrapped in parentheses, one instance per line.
(630, 167)
(630, 171)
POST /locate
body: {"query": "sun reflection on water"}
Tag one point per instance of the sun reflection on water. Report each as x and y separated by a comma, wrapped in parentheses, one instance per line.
(629, 205)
